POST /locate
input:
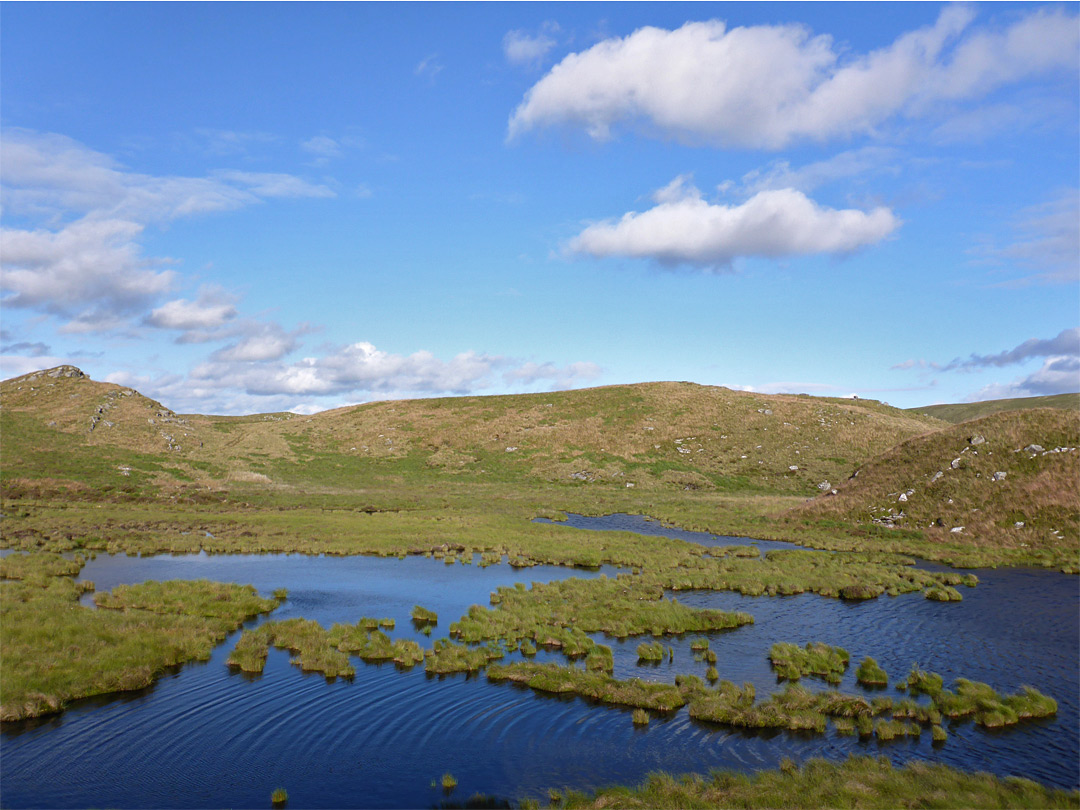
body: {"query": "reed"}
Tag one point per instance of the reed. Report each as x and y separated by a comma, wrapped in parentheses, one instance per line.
(793, 662)
(279, 797)
(423, 615)
(640, 717)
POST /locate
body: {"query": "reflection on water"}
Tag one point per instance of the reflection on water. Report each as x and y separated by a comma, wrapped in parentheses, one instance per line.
(203, 736)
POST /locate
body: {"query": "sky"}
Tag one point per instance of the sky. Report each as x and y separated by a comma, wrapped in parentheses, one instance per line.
(241, 208)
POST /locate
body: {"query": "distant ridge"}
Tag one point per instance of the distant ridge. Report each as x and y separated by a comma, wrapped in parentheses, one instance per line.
(963, 411)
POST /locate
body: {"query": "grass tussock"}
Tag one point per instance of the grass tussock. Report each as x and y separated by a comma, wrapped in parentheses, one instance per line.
(815, 659)
(149, 628)
(870, 674)
(864, 782)
(595, 685)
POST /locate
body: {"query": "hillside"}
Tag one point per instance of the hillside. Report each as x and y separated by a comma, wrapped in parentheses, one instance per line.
(676, 436)
(424, 473)
(963, 411)
(1010, 480)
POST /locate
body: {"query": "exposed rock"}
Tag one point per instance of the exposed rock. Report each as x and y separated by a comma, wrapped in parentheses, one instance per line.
(956, 530)
(955, 463)
(936, 476)
(1018, 525)
(824, 485)
(794, 468)
(511, 449)
(999, 476)
(977, 440)
(1034, 448)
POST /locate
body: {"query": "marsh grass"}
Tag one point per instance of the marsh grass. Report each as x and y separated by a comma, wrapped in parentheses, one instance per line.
(650, 652)
(640, 717)
(870, 674)
(279, 797)
(149, 628)
(448, 781)
(792, 662)
(863, 782)
(422, 615)
(596, 685)
(447, 657)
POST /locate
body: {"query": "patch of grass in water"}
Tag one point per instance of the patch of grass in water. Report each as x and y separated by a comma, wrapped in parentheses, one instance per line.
(793, 662)
(279, 797)
(870, 674)
(640, 717)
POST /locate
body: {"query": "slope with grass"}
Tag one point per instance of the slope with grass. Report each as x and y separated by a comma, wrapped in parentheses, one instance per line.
(963, 411)
(1004, 485)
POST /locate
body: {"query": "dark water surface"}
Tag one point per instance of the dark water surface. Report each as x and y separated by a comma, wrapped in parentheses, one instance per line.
(206, 737)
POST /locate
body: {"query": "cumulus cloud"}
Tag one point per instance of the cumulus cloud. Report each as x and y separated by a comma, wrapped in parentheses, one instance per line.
(84, 262)
(683, 228)
(212, 309)
(90, 273)
(528, 50)
(770, 85)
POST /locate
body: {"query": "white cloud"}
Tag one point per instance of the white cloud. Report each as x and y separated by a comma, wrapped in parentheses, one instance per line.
(261, 342)
(211, 310)
(90, 272)
(84, 264)
(528, 50)
(767, 86)
(685, 228)
(13, 365)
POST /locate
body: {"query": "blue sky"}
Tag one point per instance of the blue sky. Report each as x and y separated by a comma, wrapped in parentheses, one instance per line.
(243, 208)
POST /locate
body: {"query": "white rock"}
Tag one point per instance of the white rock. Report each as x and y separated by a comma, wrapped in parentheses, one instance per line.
(956, 529)
(999, 476)
(794, 467)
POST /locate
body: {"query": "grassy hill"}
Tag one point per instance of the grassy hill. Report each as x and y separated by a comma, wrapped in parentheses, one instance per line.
(676, 436)
(1010, 480)
(962, 412)
(476, 469)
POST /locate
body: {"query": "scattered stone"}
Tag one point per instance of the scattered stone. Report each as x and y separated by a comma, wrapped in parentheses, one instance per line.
(824, 485)
(629, 485)
(833, 492)
(977, 440)
(1018, 525)
(794, 468)
(936, 476)
(511, 449)
(955, 463)
(956, 529)
(1034, 448)
(999, 476)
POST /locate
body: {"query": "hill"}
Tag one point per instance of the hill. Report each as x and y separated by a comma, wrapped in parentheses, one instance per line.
(962, 412)
(61, 425)
(1008, 481)
(440, 472)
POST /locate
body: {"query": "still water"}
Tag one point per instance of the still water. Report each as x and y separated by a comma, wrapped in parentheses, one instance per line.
(205, 736)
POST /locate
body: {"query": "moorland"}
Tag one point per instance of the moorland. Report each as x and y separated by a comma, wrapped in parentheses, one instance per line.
(90, 467)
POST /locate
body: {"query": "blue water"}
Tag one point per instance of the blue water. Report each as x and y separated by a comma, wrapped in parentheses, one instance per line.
(205, 736)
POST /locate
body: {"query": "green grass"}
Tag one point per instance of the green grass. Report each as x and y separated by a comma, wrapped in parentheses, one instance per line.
(149, 628)
(862, 782)
(279, 797)
(870, 674)
(793, 662)
(964, 412)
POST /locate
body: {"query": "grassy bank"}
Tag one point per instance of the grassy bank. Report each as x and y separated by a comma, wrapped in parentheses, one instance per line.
(859, 782)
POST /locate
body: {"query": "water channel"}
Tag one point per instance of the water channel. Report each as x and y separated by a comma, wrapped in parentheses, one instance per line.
(206, 736)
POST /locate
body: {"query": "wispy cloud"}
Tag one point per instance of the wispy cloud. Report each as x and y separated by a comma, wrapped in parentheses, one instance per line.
(768, 86)
(529, 50)
(1046, 239)
(84, 263)
(429, 67)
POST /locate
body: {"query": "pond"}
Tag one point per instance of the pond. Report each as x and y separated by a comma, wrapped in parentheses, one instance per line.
(206, 736)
